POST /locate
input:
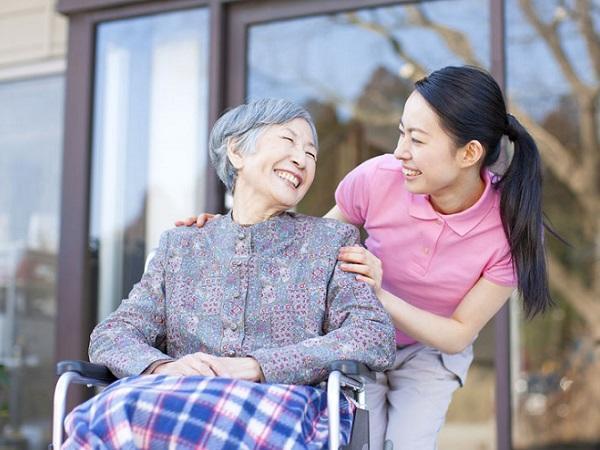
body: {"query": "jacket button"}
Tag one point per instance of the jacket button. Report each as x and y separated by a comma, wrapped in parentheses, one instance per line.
(230, 353)
(233, 326)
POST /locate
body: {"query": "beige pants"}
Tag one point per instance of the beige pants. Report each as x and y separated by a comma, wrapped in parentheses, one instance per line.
(408, 403)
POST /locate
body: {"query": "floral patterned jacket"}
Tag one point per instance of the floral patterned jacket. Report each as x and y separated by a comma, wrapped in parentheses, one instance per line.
(273, 291)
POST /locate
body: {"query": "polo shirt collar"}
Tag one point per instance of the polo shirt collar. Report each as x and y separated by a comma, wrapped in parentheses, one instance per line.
(463, 222)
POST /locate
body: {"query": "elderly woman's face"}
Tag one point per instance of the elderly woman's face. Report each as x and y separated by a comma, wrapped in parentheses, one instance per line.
(282, 168)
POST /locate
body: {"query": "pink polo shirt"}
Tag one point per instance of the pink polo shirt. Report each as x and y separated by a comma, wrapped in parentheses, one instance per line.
(431, 260)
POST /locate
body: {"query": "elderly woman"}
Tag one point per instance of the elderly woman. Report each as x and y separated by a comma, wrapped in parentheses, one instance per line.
(238, 320)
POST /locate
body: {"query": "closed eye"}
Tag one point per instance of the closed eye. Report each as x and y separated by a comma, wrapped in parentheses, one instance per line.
(287, 138)
(312, 155)
(416, 141)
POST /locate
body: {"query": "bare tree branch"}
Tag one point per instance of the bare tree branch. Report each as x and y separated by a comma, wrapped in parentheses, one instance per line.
(556, 156)
(577, 294)
(549, 33)
(456, 41)
(592, 39)
(375, 27)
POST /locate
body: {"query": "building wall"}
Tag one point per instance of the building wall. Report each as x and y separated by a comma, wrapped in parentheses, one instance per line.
(31, 32)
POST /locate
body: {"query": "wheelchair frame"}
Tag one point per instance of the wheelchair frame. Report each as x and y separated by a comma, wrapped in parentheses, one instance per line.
(348, 375)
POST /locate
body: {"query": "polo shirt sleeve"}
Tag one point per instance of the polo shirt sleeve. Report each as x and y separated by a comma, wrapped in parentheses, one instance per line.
(500, 271)
(352, 194)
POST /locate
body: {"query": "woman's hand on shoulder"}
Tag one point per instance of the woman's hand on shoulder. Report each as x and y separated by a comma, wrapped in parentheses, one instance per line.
(364, 264)
(187, 365)
(199, 221)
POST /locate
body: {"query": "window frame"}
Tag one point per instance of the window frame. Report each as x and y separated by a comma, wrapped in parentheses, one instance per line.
(229, 23)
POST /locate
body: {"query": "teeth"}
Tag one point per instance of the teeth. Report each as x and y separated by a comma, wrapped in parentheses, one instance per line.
(410, 172)
(288, 177)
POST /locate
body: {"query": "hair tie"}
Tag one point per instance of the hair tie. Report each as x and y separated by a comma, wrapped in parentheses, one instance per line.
(511, 128)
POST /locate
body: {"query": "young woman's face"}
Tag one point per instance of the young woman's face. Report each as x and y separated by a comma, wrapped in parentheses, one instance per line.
(428, 154)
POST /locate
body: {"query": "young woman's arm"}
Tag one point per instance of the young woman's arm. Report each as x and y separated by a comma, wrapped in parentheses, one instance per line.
(336, 213)
(448, 334)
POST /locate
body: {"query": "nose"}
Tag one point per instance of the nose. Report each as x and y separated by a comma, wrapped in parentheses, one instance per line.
(402, 151)
(299, 158)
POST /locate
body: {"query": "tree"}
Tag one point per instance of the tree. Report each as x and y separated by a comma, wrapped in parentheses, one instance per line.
(571, 156)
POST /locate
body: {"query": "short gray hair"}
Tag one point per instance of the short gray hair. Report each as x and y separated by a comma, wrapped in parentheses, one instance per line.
(244, 124)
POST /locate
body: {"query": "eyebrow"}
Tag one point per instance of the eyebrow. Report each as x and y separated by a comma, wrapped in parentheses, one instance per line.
(419, 130)
(295, 135)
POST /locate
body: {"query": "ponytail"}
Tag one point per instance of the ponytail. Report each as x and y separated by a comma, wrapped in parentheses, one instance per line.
(470, 106)
(522, 218)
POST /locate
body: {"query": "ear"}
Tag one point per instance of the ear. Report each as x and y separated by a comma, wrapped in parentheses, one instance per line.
(470, 154)
(237, 161)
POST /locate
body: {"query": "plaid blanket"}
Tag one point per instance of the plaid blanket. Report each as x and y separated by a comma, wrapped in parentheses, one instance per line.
(160, 412)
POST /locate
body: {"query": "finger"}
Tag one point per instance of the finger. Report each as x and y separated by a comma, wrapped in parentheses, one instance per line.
(352, 257)
(179, 223)
(367, 280)
(190, 221)
(206, 217)
(353, 248)
(356, 268)
(208, 362)
(201, 220)
(187, 371)
(175, 369)
(191, 366)
(219, 368)
(201, 368)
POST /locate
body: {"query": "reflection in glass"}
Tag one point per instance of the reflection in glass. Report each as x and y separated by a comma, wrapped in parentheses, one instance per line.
(30, 177)
(149, 152)
(354, 71)
(554, 79)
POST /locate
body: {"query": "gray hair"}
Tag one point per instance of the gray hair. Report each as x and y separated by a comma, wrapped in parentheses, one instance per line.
(244, 124)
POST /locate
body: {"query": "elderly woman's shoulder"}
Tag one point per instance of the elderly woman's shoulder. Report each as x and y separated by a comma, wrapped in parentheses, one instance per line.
(332, 227)
(177, 235)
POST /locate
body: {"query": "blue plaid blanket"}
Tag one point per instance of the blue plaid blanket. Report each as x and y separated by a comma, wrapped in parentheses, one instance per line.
(160, 412)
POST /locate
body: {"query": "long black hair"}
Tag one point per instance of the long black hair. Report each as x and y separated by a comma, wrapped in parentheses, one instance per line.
(470, 106)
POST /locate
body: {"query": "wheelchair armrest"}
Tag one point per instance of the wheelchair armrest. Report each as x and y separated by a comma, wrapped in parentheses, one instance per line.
(353, 369)
(86, 369)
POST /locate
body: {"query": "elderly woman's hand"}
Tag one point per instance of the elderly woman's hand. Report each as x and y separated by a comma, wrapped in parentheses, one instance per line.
(199, 221)
(187, 365)
(239, 368)
(365, 264)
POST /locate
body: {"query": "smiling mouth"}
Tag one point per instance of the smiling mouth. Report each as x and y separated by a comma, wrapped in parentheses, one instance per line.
(292, 179)
(410, 172)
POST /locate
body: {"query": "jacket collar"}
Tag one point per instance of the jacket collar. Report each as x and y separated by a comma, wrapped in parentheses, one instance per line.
(463, 222)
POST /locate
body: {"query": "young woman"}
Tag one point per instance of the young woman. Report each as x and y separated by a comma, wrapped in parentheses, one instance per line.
(448, 243)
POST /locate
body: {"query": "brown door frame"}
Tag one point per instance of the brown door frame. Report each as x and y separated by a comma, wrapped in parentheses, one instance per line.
(502, 320)
(229, 23)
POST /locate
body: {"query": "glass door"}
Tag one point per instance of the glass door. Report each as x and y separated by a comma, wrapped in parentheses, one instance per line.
(149, 140)
(353, 71)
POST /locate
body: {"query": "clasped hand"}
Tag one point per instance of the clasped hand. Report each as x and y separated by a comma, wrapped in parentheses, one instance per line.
(204, 364)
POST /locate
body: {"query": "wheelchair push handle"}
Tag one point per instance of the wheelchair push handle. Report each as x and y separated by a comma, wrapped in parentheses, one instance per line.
(353, 369)
(86, 370)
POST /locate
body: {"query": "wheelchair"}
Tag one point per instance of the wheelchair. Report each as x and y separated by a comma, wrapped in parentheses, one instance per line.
(350, 376)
